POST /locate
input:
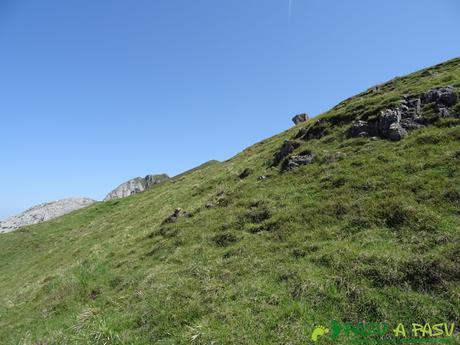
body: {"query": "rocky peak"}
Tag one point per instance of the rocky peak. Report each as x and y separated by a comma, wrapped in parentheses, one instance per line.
(136, 185)
(44, 212)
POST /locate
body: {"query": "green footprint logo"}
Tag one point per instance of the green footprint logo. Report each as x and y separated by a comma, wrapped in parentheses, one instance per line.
(318, 331)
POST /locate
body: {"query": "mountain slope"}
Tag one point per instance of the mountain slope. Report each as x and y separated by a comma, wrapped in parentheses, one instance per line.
(368, 231)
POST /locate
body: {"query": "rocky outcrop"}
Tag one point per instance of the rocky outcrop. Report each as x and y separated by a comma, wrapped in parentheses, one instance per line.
(178, 212)
(287, 148)
(44, 212)
(295, 161)
(300, 118)
(443, 96)
(394, 123)
(319, 129)
(291, 161)
(136, 185)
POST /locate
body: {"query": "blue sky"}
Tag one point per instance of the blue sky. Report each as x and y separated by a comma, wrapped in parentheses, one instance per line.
(96, 92)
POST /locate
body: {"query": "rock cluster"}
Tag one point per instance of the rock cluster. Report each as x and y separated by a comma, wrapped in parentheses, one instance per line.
(178, 212)
(300, 118)
(394, 123)
(286, 149)
(319, 129)
(136, 185)
(290, 161)
(295, 161)
(220, 200)
(44, 212)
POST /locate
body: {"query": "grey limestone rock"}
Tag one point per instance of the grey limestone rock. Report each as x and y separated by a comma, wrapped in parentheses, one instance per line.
(300, 118)
(136, 185)
(296, 161)
(359, 129)
(44, 212)
(287, 148)
(396, 132)
(393, 123)
(441, 95)
(387, 118)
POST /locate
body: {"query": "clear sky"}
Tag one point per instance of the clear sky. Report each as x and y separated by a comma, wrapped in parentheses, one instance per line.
(94, 92)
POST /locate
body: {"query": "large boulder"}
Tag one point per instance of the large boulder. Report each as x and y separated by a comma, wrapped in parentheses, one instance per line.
(44, 212)
(300, 118)
(136, 185)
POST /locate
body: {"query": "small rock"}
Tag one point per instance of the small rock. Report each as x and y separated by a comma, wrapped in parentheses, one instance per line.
(300, 118)
(245, 173)
(287, 148)
(375, 89)
(219, 200)
(301, 133)
(178, 212)
(359, 129)
(296, 161)
(318, 130)
(444, 112)
(262, 178)
(396, 132)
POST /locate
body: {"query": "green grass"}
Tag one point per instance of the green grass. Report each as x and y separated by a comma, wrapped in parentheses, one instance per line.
(371, 234)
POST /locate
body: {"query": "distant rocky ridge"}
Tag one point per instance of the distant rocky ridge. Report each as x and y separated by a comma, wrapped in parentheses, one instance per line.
(50, 210)
(44, 212)
(136, 185)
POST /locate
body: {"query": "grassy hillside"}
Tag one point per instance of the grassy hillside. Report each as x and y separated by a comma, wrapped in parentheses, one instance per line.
(368, 232)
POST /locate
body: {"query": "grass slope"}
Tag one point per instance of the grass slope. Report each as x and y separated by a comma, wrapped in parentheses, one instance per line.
(370, 236)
